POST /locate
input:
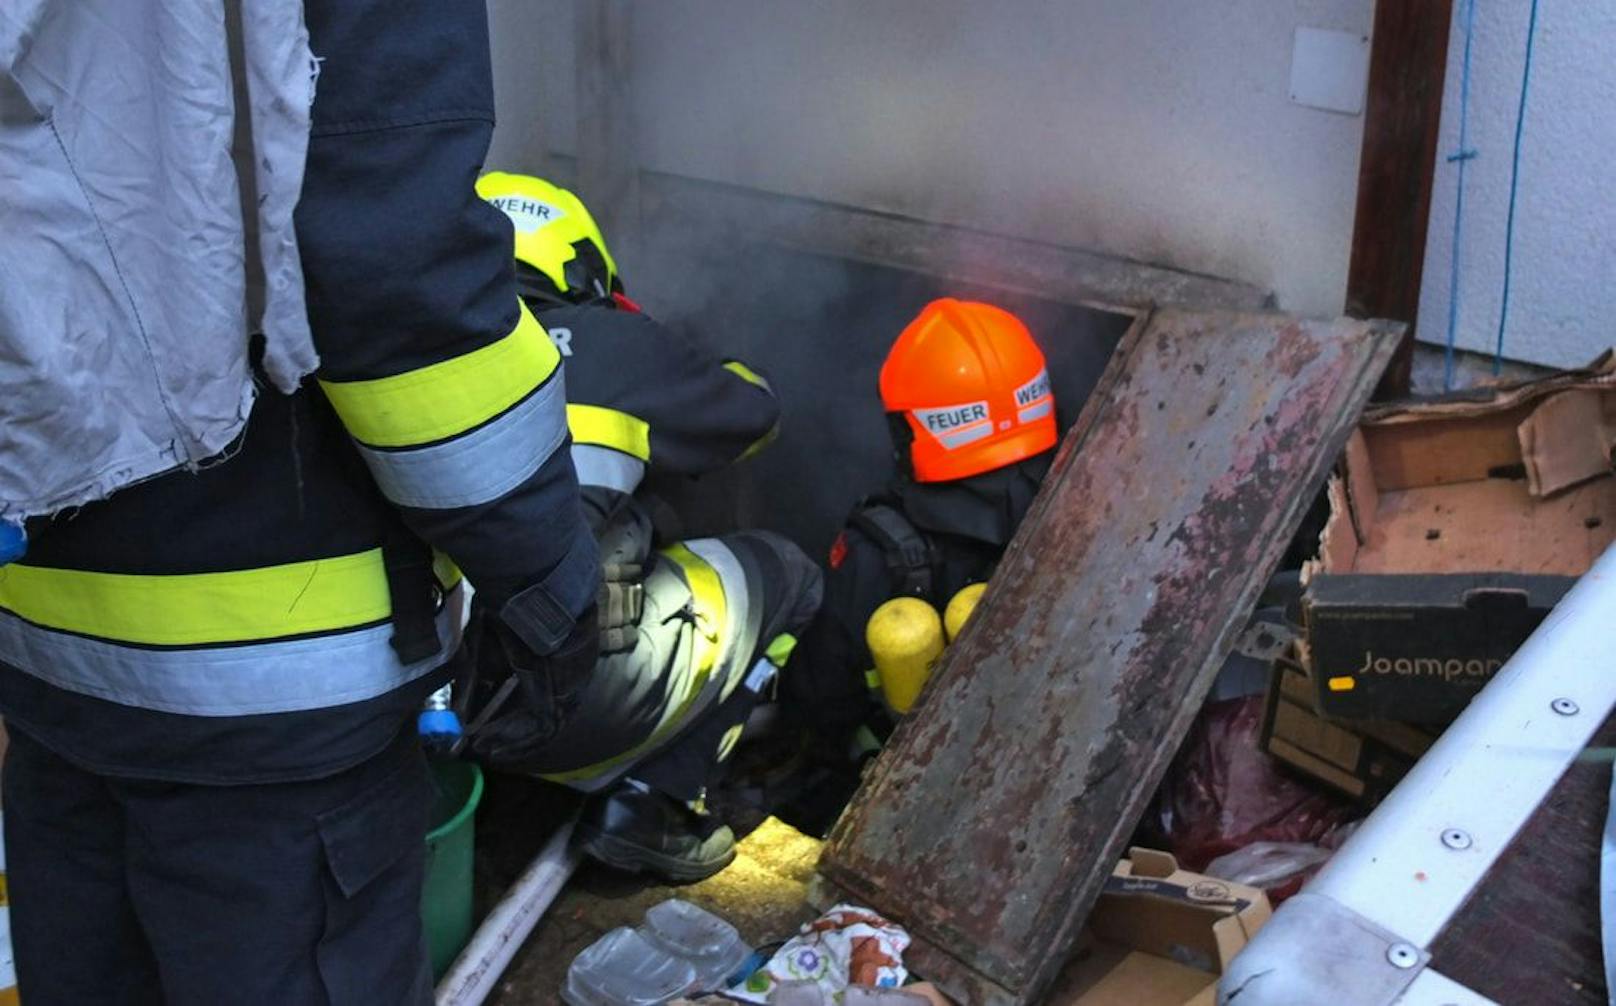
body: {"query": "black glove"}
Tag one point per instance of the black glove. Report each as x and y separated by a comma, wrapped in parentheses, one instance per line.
(522, 699)
(619, 603)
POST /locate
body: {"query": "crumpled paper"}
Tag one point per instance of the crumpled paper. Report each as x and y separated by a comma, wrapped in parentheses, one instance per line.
(847, 945)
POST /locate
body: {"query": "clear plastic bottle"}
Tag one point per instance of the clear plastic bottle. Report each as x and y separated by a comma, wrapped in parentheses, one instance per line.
(438, 723)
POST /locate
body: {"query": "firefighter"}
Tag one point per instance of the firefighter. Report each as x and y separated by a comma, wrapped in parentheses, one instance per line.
(693, 632)
(972, 418)
(214, 790)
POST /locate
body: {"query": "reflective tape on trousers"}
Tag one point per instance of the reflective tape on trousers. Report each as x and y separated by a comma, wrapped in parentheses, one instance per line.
(731, 662)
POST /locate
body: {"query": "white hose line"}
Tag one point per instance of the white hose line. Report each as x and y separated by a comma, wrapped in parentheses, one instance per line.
(479, 967)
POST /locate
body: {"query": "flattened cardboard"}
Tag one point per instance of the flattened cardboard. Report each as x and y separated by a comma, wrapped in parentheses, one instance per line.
(1568, 439)
(1160, 936)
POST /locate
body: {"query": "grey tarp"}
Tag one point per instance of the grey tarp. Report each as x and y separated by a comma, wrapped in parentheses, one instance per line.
(126, 259)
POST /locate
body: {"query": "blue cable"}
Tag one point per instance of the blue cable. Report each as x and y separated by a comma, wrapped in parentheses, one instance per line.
(1514, 177)
(1463, 155)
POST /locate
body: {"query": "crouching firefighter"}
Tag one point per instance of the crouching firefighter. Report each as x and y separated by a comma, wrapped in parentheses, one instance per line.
(973, 424)
(692, 634)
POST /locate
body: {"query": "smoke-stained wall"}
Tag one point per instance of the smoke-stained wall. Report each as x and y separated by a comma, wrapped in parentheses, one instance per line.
(1155, 129)
(532, 43)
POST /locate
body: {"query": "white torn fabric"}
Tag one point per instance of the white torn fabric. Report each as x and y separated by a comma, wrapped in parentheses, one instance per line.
(137, 210)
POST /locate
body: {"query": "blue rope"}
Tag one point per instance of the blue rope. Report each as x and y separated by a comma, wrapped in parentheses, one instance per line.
(1462, 156)
(1514, 177)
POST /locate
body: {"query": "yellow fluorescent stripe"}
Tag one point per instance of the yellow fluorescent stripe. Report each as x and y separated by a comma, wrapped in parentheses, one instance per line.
(441, 400)
(602, 427)
(780, 649)
(707, 591)
(199, 608)
(444, 568)
(747, 374)
(761, 443)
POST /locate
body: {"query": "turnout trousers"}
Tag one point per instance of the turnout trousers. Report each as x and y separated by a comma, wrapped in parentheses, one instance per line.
(126, 891)
(669, 712)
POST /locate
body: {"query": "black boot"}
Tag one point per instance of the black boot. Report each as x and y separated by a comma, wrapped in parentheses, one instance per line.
(634, 828)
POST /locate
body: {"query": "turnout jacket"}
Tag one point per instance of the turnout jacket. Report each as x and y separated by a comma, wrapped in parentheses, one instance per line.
(278, 612)
(645, 398)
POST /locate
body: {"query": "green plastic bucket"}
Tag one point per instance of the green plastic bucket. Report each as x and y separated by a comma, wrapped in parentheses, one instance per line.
(446, 899)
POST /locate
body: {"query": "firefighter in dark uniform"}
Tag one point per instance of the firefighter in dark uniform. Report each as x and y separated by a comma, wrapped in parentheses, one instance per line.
(693, 632)
(215, 792)
(972, 416)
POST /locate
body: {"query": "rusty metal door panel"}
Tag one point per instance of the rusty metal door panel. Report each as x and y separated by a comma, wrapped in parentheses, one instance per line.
(1001, 804)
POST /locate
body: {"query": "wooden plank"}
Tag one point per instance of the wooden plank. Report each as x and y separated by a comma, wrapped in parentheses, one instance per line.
(1407, 68)
(608, 167)
(996, 813)
(679, 205)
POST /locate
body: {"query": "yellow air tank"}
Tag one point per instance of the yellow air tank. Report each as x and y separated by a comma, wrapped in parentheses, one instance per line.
(905, 636)
(960, 608)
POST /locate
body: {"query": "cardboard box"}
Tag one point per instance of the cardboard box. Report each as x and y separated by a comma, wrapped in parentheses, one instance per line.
(1362, 760)
(1159, 936)
(1455, 526)
(1418, 647)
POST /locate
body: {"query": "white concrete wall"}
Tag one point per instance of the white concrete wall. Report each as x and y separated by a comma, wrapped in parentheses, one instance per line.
(1156, 129)
(1562, 307)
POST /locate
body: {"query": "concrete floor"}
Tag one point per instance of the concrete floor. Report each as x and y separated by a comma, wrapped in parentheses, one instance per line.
(762, 893)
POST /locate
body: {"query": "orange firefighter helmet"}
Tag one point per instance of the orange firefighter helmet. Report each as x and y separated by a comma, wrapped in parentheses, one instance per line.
(967, 391)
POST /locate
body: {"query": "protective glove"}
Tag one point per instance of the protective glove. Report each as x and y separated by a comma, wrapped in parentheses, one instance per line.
(620, 602)
(521, 699)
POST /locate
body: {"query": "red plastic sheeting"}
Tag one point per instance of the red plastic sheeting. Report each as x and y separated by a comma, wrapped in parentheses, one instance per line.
(1224, 793)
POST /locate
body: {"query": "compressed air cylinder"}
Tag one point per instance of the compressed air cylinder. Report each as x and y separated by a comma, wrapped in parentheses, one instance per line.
(905, 636)
(960, 608)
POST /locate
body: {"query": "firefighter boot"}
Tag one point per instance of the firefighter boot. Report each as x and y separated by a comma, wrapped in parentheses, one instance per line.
(632, 827)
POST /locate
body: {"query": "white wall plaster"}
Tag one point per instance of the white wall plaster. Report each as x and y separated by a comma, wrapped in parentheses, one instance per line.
(1563, 285)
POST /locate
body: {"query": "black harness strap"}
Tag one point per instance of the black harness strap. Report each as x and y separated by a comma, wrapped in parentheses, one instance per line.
(908, 554)
(414, 592)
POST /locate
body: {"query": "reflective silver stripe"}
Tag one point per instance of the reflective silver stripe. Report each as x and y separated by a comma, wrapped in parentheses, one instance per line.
(1033, 390)
(731, 666)
(1038, 411)
(970, 434)
(480, 466)
(609, 469)
(282, 677)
